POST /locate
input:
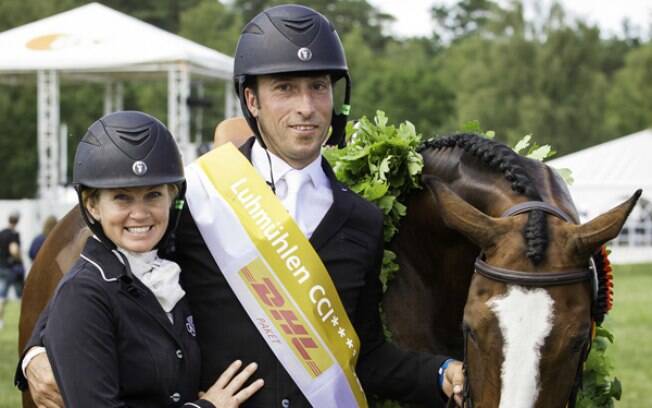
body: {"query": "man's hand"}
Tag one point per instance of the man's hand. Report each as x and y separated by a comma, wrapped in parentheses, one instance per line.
(42, 385)
(453, 384)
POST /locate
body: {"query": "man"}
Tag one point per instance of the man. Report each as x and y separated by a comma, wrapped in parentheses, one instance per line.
(11, 265)
(287, 61)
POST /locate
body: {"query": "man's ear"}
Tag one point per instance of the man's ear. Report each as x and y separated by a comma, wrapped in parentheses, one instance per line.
(252, 101)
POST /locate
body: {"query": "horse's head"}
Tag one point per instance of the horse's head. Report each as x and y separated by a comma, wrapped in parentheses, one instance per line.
(527, 319)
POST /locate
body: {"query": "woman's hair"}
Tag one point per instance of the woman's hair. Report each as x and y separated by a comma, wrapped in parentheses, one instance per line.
(49, 224)
(89, 195)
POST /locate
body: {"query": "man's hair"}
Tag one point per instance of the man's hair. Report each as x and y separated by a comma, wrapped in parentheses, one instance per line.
(14, 217)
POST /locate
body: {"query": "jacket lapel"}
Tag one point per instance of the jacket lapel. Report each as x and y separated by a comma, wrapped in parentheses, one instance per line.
(136, 292)
(147, 302)
(336, 216)
(246, 147)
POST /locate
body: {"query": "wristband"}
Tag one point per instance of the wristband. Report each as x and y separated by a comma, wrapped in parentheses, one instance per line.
(442, 370)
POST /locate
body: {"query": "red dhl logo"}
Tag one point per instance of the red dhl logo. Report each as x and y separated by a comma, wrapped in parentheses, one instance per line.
(284, 318)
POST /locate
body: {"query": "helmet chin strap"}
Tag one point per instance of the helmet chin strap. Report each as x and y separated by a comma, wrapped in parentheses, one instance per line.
(338, 122)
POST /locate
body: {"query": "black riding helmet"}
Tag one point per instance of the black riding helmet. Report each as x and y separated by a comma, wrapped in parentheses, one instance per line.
(291, 38)
(128, 149)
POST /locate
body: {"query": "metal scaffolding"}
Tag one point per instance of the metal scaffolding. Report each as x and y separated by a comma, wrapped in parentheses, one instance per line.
(178, 109)
(48, 135)
(113, 96)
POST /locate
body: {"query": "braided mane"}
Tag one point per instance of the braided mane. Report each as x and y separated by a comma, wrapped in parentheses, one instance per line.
(501, 158)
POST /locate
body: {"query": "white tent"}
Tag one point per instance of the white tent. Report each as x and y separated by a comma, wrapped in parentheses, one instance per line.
(607, 174)
(96, 43)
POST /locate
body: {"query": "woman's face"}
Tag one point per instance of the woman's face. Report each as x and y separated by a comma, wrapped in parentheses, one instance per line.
(133, 218)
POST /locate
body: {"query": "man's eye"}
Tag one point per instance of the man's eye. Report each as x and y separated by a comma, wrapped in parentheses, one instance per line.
(121, 197)
(154, 194)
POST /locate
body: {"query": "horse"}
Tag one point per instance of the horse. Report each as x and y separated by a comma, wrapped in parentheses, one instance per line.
(421, 328)
(495, 270)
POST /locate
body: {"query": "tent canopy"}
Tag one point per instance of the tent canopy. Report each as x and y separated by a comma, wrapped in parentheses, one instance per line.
(607, 174)
(623, 162)
(97, 38)
(96, 43)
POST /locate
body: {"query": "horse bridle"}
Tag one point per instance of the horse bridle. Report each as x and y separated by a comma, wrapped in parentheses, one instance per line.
(534, 279)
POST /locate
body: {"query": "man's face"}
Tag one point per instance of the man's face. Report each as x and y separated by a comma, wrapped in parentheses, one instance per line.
(294, 115)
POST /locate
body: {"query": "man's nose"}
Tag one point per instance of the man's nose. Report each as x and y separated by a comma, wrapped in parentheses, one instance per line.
(306, 105)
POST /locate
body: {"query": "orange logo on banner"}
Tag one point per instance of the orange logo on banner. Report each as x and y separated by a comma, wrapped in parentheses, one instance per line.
(43, 42)
(285, 318)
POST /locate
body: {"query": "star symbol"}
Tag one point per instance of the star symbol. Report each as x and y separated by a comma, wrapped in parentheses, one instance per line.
(335, 321)
(349, 343)
(341, 332)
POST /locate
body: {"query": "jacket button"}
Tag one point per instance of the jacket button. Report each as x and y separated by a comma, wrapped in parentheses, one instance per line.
(179, 354)
(175, 397)
(285, 403)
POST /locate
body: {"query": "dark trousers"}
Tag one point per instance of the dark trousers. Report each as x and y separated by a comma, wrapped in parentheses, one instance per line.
(13, 275)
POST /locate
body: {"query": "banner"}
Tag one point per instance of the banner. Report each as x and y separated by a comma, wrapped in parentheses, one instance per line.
(277, 276)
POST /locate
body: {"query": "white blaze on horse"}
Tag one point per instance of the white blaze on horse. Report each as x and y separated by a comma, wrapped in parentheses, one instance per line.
(525, 319)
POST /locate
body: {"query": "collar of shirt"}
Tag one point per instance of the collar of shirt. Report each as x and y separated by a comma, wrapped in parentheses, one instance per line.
(280, 168)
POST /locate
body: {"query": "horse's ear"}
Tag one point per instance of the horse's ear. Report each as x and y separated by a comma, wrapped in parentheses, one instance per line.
(588, 237)
(461, 216)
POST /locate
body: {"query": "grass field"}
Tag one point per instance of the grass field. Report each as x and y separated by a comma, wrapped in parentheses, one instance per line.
(630, 321)
(9, 395)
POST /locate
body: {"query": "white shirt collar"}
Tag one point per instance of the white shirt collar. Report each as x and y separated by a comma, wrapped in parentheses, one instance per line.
(280, 167)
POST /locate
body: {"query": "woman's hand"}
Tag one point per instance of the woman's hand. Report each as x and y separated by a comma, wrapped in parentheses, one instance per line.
(226, 392)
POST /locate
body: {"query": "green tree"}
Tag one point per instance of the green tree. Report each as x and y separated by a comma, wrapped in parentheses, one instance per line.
(630, 99)
(166, 15)
(569, 106)
(212, 24)
(492, 74)
(463, 19)
(16, 13)
(18, 141)
(518, 79)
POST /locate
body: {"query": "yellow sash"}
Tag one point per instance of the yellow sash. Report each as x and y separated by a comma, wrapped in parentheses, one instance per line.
(286, 277)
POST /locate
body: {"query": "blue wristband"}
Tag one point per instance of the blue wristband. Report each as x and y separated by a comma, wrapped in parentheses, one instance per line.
(442, 370)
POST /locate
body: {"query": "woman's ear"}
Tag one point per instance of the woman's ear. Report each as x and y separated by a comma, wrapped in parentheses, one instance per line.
(91, 207)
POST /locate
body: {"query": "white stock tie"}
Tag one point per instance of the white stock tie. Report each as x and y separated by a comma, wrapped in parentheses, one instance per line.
(295, 181)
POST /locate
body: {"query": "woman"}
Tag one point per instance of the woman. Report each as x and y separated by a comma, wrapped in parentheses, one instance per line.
(120, 332)
(37, 242)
